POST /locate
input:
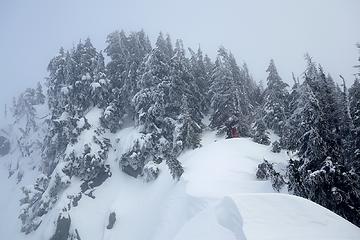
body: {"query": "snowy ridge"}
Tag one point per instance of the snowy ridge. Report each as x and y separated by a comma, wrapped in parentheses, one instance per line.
(211, 201)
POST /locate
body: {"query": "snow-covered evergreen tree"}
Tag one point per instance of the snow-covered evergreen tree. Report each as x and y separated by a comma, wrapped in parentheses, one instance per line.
(229, 100)
(275, 98)
(100, 86)
(126, 55)
(321, 173)
(289, 140)
(40, 97)
(252, 89)
(358, 66)
(183, 83)
(354, 98)
(201, 68)
(187, 132)
(24, 113)
(354, 108)
(345, 122)
(260, 134)
(162, 81)
(153, 82)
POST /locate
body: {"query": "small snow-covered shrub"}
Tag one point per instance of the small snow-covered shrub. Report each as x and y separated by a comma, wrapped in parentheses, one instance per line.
(150, 148)
(40, 198)
(266, 171)
(111, 118)
(277, 181)
(150, 171)
(90, 163)
(263, 171)
(132, 162)
(276, 148)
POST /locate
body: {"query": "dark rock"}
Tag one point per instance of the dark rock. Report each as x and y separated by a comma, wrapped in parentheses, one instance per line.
(62, 228)
(77, 235)
(4, 146)
(104, 173)
(112, 220)
(131, 171)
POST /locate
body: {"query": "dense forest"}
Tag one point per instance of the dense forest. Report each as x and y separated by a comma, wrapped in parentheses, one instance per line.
(166, 91)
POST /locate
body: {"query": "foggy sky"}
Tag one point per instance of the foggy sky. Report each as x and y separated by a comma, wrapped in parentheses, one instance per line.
(31, 32)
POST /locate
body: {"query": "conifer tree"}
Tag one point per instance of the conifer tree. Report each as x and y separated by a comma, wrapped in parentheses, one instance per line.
(101, 85)
(153, 82)
(56, 82)
(85, 59)
(183, 83)
(275, 97)
(157, 102)
(345, 122)
(126, 55)
(289, 137)
(229, 100)
(357, 75)
(254, 92)
(354, 99)
(320, 173)
(201, 70)
(187, 133)
(40, 97)
(116, 50)
(260, 132)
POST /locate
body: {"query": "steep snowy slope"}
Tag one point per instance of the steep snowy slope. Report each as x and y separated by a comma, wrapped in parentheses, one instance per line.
(218, 197)
(19, 167)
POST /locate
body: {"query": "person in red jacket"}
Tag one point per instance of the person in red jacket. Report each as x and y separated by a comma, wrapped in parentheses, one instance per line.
(234, 132)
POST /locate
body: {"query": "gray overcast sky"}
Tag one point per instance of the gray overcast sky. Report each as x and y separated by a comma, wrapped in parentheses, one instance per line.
(31, 32)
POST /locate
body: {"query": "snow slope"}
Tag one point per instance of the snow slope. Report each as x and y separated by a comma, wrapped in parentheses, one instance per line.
(267, 217)
(227, 166)
(282, 216)
(17, 171)
(218, 197)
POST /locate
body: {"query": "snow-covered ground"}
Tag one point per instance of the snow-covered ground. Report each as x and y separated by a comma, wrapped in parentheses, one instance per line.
(218, 197)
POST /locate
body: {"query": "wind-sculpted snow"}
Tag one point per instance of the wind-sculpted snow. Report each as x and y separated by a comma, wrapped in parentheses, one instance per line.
(229, 217)
(281, 216)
